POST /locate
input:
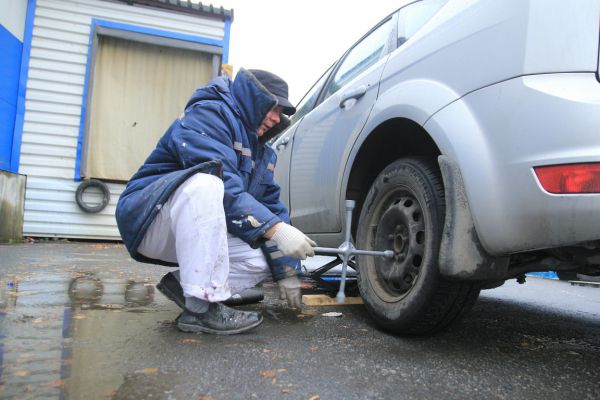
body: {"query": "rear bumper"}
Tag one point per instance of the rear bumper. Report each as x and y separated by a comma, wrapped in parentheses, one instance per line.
(499, 133)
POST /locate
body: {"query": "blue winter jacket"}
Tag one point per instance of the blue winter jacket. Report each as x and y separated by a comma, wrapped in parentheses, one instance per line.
(219, 125)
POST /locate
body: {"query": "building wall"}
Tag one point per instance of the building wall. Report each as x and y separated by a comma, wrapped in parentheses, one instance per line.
(54, 99)
(12, 26)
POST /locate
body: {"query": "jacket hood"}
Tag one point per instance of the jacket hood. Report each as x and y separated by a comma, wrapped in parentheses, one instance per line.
(246, 96)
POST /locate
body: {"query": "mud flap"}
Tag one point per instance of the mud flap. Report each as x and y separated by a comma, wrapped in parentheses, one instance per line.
(462, 255)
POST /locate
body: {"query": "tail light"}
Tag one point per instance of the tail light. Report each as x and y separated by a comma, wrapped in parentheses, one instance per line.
(570, 178)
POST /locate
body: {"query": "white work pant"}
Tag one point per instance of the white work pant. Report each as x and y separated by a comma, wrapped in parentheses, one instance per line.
(190, 229)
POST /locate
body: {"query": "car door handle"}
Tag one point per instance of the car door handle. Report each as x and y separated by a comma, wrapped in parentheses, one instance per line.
(354, 93)
(283, 143)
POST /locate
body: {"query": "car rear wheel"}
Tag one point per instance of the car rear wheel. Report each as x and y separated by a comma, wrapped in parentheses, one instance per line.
(404, 212)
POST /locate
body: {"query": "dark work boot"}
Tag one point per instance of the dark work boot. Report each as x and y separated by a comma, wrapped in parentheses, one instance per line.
(218, 320)
(169, 286)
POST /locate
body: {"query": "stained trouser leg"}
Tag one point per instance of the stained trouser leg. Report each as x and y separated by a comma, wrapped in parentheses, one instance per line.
(190, 229)
(247, 266)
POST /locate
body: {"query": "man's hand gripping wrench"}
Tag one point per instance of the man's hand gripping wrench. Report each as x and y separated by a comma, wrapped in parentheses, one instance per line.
(347, 249)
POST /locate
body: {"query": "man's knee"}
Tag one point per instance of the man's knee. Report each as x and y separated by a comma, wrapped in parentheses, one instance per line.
(203, 185)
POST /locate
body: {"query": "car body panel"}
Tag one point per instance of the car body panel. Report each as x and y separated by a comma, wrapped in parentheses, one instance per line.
(497, 141)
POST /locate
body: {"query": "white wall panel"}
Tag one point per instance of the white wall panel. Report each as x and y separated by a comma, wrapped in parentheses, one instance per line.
(62, 66)
(66, 206)
(57, 87)
(49, 149)
(43, 161)
(32, 168)
(48, 118)
(46, 43)
(54, 97)
(57, 68)
(57, 24)
(60, 141)
(73, 79)
(58, 55)
(50, 132)
(75, 38)
(54, 108)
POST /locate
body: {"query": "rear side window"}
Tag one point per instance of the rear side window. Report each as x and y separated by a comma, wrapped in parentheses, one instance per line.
(412, 17)
(366, 53)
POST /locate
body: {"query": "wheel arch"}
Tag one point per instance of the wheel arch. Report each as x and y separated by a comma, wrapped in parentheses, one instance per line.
(396, 129)
(390, 140)
(462, 254)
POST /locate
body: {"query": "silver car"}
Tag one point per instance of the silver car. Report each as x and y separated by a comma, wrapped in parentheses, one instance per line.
(468, 133)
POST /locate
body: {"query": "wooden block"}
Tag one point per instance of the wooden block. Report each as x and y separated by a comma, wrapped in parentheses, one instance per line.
(324, 300)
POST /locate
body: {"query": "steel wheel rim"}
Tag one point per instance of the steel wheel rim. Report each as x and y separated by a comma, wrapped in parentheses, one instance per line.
(398, 225)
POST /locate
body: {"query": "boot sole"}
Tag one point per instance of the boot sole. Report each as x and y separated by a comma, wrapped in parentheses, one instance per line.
(170, 295)
(193, 328)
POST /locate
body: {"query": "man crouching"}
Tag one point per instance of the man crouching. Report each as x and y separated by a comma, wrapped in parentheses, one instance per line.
(205, 200)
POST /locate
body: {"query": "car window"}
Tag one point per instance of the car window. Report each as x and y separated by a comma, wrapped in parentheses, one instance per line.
(308, 101)
(412, 17)
(364, 54)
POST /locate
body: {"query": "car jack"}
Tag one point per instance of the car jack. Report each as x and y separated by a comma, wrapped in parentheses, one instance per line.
(343, 253)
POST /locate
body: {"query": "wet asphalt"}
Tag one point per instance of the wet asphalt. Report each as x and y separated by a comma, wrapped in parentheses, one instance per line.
(81, 320)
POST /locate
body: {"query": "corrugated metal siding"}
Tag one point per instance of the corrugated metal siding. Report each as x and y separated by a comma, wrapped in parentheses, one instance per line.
(53, 107)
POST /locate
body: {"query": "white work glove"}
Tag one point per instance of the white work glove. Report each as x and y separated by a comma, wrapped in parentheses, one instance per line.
(289, 289)
(293, 243)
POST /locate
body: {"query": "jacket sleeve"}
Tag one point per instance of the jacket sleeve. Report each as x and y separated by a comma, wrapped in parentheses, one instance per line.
(274, 204)
(206, 132)
(281, 266)
(272, 192)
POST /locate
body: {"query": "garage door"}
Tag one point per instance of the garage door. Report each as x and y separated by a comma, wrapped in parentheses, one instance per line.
(138, 90)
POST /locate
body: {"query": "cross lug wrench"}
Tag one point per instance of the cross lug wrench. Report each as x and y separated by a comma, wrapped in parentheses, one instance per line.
(347, 250)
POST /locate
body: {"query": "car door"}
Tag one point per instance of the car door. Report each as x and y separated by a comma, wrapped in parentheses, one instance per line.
(324, 137)
(283, 144)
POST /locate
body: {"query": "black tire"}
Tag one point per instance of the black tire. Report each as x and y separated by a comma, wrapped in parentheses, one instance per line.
(404, 211)
(92, 183)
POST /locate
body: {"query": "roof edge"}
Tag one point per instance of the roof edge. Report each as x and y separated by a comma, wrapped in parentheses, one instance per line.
(186, 6)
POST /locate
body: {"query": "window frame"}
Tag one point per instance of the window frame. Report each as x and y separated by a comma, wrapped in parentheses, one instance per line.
(390, 46)
(325, 75)
(410, 5)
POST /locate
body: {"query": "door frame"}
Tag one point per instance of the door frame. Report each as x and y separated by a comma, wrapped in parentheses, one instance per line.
(98, 28)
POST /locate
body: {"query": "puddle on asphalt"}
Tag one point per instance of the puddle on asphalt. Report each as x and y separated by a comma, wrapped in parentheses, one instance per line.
(60, 333)
(284, 314)
(68, 334)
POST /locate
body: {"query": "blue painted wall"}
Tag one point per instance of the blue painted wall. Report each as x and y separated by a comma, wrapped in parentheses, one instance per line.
(10, 69)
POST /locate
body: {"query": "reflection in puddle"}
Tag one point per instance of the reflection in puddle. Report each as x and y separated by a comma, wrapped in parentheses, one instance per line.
(88, 291)
(57, 332)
